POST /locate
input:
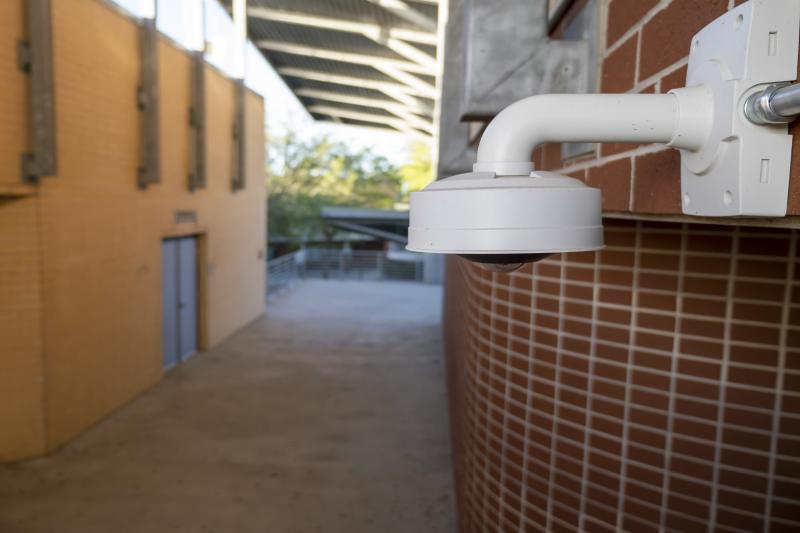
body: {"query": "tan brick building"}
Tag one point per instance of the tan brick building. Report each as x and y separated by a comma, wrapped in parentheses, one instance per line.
(81, 251)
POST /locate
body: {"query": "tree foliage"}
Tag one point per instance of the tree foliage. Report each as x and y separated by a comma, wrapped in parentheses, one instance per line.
(305, 176)
(418, 172)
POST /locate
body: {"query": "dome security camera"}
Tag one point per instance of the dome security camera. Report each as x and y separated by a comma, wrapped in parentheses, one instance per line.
(502, 223)
(505, 214)
(729, 124)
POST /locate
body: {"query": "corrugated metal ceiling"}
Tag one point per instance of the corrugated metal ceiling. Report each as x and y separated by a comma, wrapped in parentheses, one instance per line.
(352, 61)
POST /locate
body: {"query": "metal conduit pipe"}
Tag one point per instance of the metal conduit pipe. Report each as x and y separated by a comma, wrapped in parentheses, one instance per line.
(774, 105)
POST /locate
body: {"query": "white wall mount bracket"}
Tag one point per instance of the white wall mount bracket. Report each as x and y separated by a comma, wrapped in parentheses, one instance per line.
(742, 169)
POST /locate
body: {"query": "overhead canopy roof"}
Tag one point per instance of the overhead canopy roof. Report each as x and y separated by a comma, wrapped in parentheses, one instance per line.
(361, 62)
(380, 223)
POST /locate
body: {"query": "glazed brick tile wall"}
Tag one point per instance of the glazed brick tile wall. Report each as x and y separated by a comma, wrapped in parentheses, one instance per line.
(80, 252)
(651, 386)
(644, 47)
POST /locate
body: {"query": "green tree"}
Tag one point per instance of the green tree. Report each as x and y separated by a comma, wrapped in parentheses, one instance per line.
(306, 176)
(418, 172)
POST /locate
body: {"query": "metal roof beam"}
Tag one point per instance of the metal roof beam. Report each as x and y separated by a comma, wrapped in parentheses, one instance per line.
(399, 92)
(414, 120)
(373, 31)
(409, 80)
(410, 52)
(409, 130)
(395, 128)
(333, 111)
(345, 57)
(406, 12)
(368, 230)
(383, 103)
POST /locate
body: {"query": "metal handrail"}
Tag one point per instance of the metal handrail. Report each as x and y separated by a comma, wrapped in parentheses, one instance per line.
(329, 263)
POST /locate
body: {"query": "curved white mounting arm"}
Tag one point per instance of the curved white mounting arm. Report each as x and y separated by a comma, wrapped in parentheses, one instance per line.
(682, 119)
(729, 123)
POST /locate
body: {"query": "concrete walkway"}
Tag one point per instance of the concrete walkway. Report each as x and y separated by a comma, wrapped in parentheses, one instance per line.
(328, 415)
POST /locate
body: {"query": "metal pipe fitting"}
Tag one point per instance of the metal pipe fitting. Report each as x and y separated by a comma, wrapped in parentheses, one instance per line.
(777, 104)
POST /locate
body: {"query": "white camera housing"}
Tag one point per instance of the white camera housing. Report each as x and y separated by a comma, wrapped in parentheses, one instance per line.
(508, 220)
(505, 214)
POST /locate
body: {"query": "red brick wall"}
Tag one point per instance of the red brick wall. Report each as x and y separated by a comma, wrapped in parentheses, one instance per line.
(645, 49)
(652, 386)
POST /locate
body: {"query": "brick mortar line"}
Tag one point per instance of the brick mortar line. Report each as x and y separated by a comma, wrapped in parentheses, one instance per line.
(556, 396)
(602, 41)
(658, 76)
(638, 59)
(723, 383)
(670, 314)
(602, 160)
(688, 437)
(530, 389)
(632, 185)
(628, 379)
(638, 500)
(470, 369)
(655, 469)
(673, 378)
(590, 393)
(779, 384)
(506, 399)
(708, 361)
(650, 15)
(664, 373)
(487, 401)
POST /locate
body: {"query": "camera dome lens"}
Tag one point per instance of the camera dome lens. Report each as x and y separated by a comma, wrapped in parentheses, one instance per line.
(503, 262)
(503, 268)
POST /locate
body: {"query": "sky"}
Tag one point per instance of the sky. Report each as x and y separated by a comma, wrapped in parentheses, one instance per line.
(182, 20)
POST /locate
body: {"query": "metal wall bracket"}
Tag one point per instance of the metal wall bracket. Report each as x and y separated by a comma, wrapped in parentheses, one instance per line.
(24, 59)
(197, 121)
(509, 56)
(148, 102)
(239, 138)
(743, 169)
(35, 56)
(456, 152)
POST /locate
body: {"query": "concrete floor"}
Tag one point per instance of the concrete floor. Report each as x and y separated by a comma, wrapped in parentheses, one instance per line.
(326, 415)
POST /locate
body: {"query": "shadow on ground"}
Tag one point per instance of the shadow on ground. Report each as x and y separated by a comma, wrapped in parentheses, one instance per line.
(327, 415)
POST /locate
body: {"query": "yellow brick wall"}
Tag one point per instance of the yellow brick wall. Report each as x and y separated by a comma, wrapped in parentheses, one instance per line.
(13, 100)
(100, 236)
(21, 388)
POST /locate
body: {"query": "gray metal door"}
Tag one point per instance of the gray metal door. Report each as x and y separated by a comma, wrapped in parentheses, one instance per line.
(169, 298)
(187, 296)
(179, 296)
